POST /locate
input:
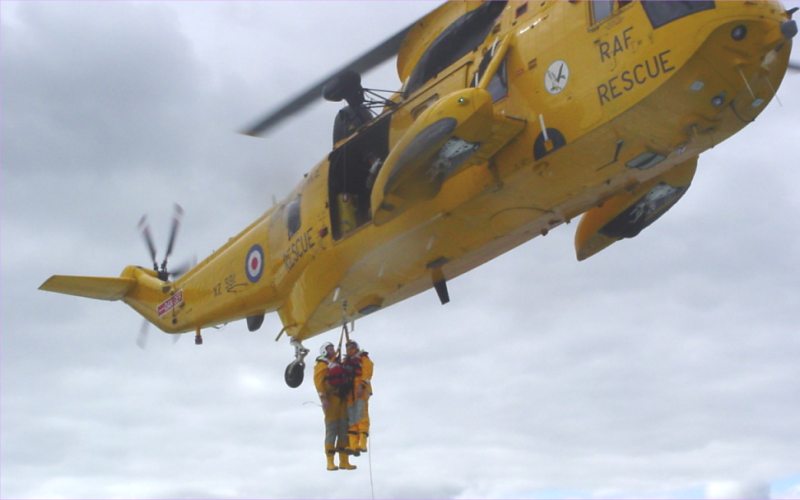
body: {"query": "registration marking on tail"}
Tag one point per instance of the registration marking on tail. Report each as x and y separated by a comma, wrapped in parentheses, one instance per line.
(170, 303)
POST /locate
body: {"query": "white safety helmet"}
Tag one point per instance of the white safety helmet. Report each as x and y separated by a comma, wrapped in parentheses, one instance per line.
(323, 350)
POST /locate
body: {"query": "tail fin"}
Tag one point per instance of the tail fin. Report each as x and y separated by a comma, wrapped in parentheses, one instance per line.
(91, 287)
(138, 287)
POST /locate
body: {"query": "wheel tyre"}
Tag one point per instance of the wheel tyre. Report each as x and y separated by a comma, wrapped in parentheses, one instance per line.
(294, 374)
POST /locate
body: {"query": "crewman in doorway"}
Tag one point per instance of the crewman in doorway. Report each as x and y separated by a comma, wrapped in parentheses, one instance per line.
(333, 383)
(361, 366)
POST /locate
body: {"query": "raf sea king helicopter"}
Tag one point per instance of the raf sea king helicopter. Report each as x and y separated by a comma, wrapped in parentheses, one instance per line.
(513, 118)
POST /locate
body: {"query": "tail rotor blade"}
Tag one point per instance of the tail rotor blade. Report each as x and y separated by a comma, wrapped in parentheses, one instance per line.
(182, 269)
(141, 340)
(176, 221)
(144, 227)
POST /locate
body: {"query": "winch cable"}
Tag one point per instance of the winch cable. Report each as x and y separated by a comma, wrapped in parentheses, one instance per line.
(341, 339)
(345, 335)
(369, 458)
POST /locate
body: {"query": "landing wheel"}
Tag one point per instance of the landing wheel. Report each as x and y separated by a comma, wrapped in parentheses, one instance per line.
(294, 374)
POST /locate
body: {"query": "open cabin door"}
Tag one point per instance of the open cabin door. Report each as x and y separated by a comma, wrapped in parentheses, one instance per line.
(353, 167)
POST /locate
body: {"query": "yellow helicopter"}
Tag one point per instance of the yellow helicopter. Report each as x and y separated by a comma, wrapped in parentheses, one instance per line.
(513, 118)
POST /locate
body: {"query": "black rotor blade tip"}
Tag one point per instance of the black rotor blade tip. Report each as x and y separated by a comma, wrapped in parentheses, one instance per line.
(144, 227)
(176, 220)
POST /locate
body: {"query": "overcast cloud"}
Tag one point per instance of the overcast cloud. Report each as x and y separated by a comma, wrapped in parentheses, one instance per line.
(665, 366)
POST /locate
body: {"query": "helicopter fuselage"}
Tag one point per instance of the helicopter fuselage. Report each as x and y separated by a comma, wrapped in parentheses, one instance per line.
(602, 114)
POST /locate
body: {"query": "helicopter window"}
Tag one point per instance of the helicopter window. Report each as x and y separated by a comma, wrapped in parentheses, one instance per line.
(646, 160)
(458, 39)
(498, 85)
(293, 216)
(601, 9)
(487, 58)
(661, 13)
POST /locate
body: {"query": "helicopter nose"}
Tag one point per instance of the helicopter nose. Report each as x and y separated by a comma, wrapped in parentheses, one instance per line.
(789, 29)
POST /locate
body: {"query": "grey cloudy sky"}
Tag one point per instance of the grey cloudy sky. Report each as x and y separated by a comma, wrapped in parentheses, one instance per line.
(665, 366)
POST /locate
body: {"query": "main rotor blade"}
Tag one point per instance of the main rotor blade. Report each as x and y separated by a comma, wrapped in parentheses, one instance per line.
(383, 51)
(794, 66)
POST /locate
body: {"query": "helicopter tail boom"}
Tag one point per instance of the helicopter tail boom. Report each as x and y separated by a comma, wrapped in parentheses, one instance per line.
(138, 287)
(92, 287)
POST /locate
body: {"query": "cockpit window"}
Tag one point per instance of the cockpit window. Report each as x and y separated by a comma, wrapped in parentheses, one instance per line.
(663, 12)
(293, 216)
(458, 39)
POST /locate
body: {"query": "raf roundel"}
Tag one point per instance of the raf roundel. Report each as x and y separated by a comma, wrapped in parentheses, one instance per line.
(254, 264)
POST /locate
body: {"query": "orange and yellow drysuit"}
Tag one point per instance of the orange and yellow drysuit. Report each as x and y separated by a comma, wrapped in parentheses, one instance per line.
(358, 400)
(328, 379)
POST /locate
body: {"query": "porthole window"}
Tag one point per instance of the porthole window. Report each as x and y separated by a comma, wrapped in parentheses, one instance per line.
(293, 216)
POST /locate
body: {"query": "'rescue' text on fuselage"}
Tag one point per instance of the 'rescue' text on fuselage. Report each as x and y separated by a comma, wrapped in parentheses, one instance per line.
(297, 248)
(628, 79)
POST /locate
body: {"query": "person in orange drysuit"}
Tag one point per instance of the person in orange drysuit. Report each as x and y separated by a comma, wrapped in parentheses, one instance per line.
(332, 382)
(361, 367)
